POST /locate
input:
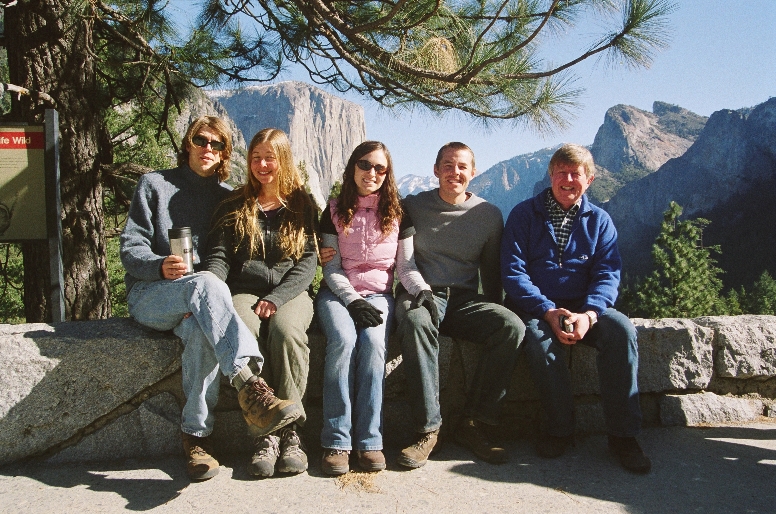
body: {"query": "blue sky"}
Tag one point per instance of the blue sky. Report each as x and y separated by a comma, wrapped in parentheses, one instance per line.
(722, 55)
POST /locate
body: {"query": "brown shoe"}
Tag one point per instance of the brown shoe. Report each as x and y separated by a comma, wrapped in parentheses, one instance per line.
(371, 460)
(415, 456)
(200, 465)
(292, 458)
(263, 410)
(335, 461)
(267, 451)
(630, 454)
(471, 434)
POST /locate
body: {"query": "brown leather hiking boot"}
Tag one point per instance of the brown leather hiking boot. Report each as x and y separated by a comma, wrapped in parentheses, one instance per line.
(371, 460)
(263, 410)
(200, 465)
(415, 456)
(471, 434)
(335, 461)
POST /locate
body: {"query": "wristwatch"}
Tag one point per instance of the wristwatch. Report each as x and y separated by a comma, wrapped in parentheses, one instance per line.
(593, 317)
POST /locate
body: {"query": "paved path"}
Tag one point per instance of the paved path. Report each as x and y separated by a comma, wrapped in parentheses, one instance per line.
(709, 470)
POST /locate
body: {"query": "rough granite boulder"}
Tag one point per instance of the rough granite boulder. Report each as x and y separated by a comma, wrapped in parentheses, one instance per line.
(674, 354)
(707, 408)
(57, 379)
(745, 346)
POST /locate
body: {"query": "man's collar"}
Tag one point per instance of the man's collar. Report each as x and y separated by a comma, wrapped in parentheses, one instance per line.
(552, 203)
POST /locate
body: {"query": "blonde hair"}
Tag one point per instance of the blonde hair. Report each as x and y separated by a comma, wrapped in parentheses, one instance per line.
(573, 154)
(292, 236)
(218, 126)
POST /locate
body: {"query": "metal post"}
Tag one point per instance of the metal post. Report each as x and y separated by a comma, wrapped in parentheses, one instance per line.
(54, 216)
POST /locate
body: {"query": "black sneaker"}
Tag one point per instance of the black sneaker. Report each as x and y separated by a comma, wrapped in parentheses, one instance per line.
(551, 446)
(471, 434)
(292, 456)
(629, 453)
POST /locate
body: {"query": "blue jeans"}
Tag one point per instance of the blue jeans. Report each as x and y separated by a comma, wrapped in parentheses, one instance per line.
(213, 337)
(614, 336)
(465, 315)
(354, 374)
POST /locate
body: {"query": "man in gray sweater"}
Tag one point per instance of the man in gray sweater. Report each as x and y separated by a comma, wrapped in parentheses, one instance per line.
(196, 306)
(457, 245)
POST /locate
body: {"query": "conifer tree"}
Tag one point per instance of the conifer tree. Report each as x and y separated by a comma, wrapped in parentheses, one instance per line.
(762, 298)
(685, 281)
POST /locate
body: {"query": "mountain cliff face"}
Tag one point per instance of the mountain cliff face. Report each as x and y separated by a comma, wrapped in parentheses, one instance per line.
(323, 128)
(197, 104)
(510, 182)
(632, 137)
(727, 176)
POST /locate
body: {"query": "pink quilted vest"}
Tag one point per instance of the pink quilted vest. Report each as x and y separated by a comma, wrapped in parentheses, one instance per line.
(368, 258)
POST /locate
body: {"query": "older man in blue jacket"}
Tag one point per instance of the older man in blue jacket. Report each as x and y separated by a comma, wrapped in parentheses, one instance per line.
(561, 269)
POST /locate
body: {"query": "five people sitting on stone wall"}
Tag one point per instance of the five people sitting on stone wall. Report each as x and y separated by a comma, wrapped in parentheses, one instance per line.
(244, 309)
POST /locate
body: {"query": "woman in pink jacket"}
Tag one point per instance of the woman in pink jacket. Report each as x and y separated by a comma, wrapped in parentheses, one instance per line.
(372, 238)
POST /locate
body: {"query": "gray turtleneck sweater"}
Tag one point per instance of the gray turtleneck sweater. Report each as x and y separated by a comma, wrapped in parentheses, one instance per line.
(165, 199)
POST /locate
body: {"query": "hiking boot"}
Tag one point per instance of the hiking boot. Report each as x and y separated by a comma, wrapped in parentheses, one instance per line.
(263, 410)
(371, 460)
(200, 465)
(335, 461)
(471, 434)
(292, 456)
(551, 446)
(415, 456)
(267, 453)
(629, 453)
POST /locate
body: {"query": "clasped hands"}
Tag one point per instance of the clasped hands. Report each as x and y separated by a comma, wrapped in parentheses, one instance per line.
(580, 321)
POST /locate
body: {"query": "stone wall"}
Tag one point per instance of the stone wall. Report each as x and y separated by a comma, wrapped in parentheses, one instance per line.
(110, 389)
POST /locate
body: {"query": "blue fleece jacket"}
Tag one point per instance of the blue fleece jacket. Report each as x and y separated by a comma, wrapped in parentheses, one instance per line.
(534, 279)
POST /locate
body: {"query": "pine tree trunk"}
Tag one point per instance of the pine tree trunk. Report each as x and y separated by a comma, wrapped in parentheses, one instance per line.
(49, 50)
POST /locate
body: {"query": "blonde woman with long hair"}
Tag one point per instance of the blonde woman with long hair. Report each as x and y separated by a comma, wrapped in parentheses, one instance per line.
(263, 245)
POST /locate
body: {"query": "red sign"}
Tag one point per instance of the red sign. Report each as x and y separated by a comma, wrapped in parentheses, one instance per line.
(22, 140)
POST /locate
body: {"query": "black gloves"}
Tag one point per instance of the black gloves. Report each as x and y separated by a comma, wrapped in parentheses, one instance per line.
(364, 314)
(425, 299)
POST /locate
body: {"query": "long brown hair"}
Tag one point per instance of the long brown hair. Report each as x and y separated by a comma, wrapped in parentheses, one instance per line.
(291, 193)
(388, 207)
(218, 126)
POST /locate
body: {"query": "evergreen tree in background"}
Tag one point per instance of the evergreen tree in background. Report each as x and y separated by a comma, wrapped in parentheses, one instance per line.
(685, 282)
(762, 298)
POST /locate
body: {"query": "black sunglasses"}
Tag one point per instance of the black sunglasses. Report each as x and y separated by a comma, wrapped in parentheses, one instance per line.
(202, 143)
(365, 165)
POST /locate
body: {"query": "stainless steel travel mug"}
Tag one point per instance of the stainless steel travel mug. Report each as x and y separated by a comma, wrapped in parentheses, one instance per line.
(182, 246)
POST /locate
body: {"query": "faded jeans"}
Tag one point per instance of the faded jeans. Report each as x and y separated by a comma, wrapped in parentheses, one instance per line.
(354, 374)
(213, 337)
(465, 315)
(614, 336)
(283, 342)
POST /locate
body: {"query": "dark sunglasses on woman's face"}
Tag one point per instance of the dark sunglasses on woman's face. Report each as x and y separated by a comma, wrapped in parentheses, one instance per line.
(202, 142)
(365, 165)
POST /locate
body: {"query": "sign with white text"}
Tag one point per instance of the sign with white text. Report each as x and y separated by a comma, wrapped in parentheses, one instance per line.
(22, 183)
